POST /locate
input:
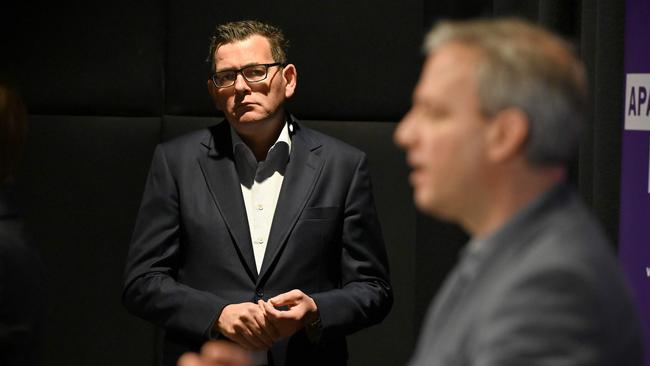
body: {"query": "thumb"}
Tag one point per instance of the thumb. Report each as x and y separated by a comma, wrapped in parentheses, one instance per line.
(288, 298)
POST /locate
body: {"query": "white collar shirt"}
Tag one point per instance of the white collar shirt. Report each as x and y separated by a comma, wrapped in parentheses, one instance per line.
(260, 186)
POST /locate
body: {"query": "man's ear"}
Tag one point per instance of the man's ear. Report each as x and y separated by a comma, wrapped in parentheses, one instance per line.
(212, 90)
(507, 134)
(290, 75)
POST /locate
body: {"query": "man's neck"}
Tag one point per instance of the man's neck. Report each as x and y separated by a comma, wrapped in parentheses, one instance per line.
(260, 136)
(508, 197)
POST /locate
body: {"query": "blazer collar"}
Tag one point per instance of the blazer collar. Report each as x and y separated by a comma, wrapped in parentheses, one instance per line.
(303, 170)
(218, 168)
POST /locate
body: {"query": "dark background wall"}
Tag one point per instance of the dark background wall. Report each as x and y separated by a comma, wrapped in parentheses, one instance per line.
(106, 81)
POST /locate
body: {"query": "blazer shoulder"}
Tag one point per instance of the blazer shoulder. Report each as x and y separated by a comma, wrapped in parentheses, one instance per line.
(197, 141)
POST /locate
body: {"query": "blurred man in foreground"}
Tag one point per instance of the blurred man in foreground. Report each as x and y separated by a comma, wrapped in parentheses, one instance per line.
(494, 124)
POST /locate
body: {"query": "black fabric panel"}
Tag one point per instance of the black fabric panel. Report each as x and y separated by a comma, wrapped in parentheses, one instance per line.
(85, 57)
(527, 9)
(174, 126)
(562, 16)
(599, 175)
(454, 9)
(81, 183)
(588, 47)
(356, 60)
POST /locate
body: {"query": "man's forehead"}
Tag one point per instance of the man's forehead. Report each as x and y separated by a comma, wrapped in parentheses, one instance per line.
(448, 70)
(254, 43)
(454, 57)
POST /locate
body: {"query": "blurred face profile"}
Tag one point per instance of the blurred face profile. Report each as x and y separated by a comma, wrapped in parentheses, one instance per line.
(443, 133)
(247, 103)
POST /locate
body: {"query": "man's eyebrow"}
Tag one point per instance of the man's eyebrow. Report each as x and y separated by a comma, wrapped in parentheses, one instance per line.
(243, 67)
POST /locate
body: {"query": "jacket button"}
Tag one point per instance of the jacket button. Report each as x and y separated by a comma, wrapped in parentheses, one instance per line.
(259, 294)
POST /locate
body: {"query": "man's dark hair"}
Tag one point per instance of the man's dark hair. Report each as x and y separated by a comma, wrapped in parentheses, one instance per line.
(241, 30)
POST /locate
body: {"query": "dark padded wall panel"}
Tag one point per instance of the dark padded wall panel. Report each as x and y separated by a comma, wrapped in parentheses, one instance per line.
(173, 126)
(390, 342)
(85, 57)
(378, 345)
(82, 179)
(355, 59)
(603, 30)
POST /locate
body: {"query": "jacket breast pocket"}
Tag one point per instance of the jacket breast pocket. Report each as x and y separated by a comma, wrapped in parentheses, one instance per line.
(319, 213)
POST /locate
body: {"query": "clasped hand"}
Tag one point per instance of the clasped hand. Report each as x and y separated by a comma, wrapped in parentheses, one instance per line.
(258, 326)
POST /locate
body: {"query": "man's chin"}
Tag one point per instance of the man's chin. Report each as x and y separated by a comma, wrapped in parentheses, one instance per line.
(246, 119)
(426, 204)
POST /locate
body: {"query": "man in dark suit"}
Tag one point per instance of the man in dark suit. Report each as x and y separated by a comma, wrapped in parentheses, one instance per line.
(494, 124)
(258, 229)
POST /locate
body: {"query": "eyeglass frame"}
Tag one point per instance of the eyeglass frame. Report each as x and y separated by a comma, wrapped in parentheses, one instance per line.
(240, 71)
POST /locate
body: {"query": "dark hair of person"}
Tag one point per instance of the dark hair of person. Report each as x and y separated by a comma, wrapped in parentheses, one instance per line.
(242, 30)
(13, 128)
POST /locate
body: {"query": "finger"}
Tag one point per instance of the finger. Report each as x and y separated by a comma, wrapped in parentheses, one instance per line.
(288, 298)
(190, 359)
(243, 340)
(281, 323)
(252, 334)
(261, 331)
(271, 311)
(269, 326)
(252, 327)
(244, 329)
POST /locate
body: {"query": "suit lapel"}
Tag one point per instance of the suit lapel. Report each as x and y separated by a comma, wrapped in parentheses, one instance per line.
(302, 172)
(220, 175)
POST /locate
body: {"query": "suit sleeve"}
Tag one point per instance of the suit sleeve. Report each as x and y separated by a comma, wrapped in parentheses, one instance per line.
(365, 296)
(151, 290)
(550, 317)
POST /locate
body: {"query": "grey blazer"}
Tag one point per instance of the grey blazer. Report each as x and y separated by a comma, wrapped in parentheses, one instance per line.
(544, 290)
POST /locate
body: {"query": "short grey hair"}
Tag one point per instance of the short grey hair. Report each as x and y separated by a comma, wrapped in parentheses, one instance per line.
(526, 67)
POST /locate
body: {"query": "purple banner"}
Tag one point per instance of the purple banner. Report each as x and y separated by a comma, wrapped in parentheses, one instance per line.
(634, 231)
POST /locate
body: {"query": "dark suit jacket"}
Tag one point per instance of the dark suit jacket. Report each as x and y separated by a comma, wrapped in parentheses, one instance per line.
(191, 252)
(544, 290)
(21, 291)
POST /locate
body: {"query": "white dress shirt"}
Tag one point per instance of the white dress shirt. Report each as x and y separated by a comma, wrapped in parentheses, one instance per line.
(260, 186)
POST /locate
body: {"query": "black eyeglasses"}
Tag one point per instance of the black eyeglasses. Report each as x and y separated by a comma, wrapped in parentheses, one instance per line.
(252, 74)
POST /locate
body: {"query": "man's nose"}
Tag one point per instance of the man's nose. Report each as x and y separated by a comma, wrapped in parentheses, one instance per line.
(240, 83)
(403, 132)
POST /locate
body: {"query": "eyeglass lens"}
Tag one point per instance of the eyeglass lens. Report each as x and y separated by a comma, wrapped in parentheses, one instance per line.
(252, 73)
